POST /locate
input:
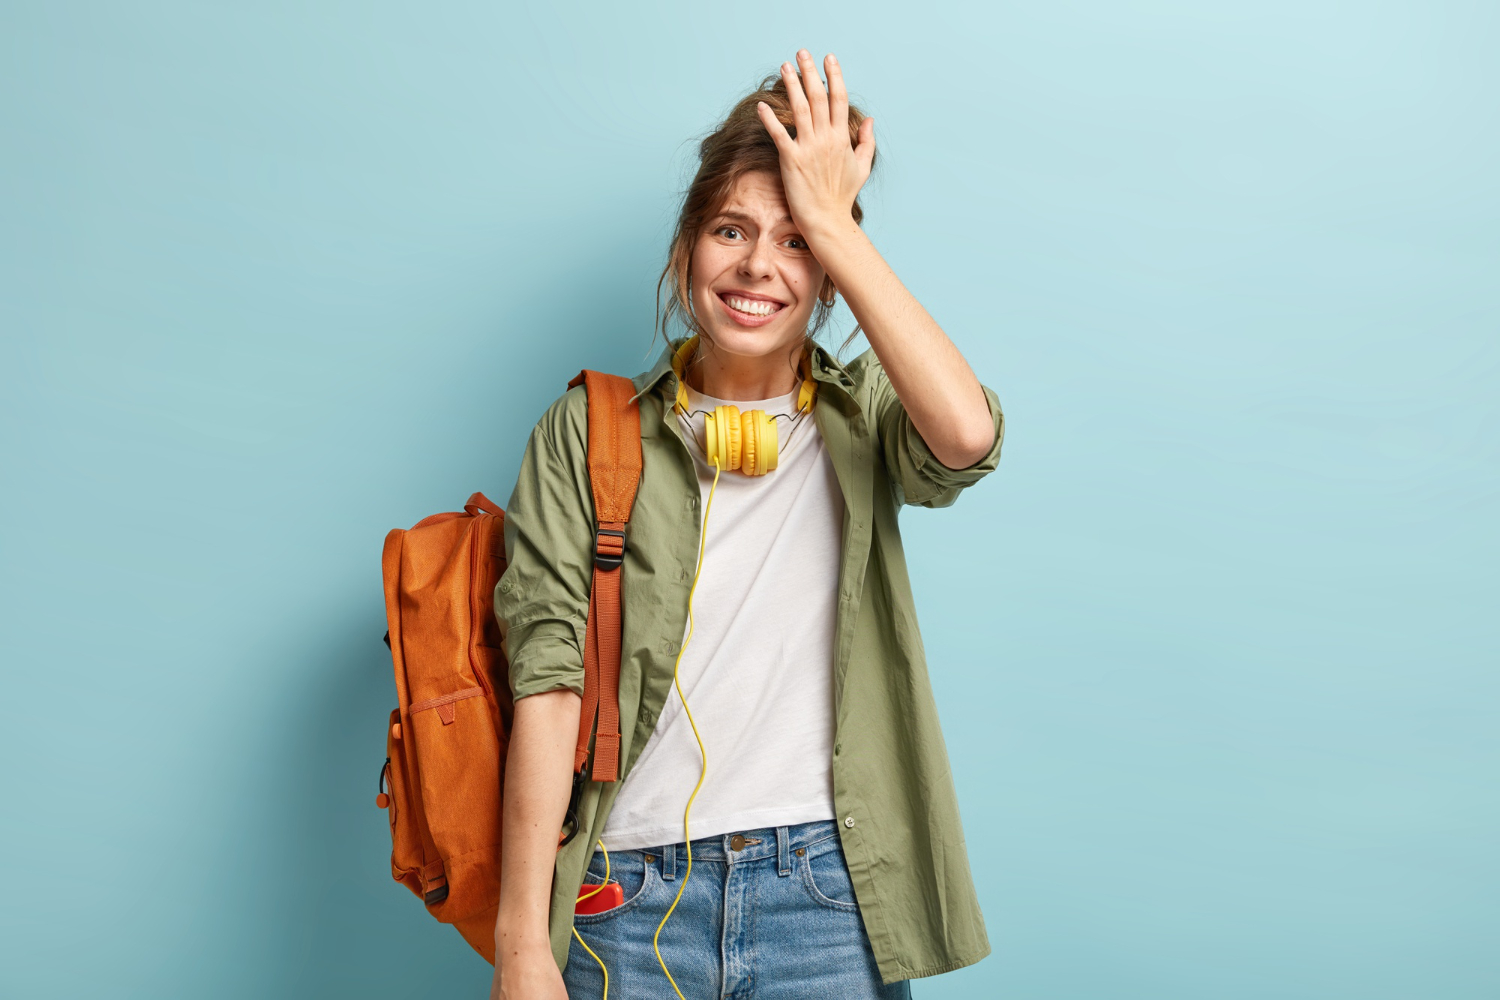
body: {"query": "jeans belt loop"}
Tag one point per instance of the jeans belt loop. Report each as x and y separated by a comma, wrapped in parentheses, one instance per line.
(783, 851)
(669, 863)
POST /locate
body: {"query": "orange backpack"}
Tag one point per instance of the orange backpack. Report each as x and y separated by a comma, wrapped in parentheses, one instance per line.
(441, 785)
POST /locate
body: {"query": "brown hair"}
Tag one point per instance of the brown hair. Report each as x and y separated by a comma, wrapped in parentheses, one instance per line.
(740, 145)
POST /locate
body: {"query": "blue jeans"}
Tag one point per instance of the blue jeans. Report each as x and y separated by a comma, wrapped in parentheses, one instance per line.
(774, 920)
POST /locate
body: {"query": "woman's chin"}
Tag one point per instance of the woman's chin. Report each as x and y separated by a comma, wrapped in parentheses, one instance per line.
(755, 342)
(753, 339)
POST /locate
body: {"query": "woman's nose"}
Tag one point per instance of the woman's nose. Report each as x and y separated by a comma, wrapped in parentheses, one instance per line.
(758, 261)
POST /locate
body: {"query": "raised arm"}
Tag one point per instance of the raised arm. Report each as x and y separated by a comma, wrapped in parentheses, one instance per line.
(822, 175)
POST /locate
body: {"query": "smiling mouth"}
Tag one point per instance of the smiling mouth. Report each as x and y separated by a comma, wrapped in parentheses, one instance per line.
(751, 307)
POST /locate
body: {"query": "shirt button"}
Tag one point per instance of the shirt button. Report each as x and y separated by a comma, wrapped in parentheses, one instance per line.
(849, 822)
(837, 748)
(685, 576)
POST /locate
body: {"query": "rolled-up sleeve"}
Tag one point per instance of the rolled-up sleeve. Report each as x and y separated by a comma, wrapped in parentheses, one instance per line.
(914, 470)
(542, 599)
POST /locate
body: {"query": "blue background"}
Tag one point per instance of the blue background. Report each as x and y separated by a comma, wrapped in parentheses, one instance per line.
(1215, 648)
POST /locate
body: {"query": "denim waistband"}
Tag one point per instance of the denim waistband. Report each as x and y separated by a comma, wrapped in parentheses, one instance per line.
(755, 845)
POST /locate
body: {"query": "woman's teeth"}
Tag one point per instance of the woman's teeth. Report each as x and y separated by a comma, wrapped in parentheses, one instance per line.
(755, 307)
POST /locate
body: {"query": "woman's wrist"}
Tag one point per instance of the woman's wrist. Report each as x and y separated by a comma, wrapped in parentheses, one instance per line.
(839, 245)
(521, 933)
(829, 231)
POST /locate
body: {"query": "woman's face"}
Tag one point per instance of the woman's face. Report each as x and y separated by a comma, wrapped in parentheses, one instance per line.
(754, 281)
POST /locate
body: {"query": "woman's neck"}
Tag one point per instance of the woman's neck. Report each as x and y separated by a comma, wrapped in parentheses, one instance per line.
(731, 376)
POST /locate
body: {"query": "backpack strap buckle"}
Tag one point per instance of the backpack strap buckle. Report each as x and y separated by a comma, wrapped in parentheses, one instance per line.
(570, 821)
(609, 548)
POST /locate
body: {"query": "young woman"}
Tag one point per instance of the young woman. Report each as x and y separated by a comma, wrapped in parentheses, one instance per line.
(827, 857)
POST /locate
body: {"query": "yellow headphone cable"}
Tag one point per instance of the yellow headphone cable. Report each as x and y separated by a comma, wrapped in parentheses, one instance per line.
(702, 774)
(747, 442)
(600, 888)
(703, 753)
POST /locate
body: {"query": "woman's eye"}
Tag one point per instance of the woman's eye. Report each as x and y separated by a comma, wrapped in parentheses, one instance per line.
(796, 243)
(729, 232)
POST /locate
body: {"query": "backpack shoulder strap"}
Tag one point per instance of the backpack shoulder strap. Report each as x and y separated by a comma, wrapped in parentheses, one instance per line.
(614, 462)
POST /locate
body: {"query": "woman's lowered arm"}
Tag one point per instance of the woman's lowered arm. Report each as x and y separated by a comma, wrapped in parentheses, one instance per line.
(538, 776)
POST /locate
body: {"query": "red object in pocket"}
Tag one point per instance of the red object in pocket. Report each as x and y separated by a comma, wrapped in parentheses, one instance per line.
(607, 898)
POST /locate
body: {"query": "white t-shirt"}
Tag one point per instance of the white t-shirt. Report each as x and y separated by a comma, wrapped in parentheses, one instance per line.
(758, 671)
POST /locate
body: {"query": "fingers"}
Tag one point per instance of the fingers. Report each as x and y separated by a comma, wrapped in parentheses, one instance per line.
(801, 113)
(864, 150)
(773, 125)
(817, 97)
(838, 97)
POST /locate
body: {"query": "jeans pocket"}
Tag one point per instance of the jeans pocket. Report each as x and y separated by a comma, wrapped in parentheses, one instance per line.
(635, 875)
(826, 878)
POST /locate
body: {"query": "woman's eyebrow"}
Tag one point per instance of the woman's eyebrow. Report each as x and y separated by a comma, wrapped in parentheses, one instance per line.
(742, 217)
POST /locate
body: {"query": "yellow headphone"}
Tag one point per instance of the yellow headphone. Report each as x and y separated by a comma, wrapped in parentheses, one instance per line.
(735, 440)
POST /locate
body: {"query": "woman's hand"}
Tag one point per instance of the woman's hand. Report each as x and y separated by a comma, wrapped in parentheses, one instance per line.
(821, 173)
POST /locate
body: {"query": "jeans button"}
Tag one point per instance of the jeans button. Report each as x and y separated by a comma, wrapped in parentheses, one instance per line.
(737, 843)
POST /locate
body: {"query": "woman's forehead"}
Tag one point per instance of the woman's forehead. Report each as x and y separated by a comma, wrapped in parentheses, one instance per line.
(758, 196)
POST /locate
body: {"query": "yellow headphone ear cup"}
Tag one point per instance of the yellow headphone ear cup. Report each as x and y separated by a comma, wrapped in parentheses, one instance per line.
(807, 394)
(711, 448)
(750, 435)
(759, 434)
(730, 421)
(770, 446)
(722, 437)
(679, 363)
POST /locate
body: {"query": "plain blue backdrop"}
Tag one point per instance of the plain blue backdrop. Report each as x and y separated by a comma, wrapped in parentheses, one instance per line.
(1215, 649)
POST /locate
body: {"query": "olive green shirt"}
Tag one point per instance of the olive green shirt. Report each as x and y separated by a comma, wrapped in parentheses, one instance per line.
(897, 812)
